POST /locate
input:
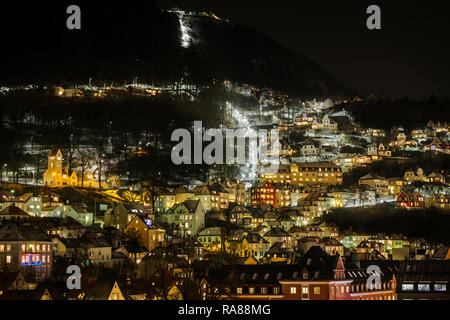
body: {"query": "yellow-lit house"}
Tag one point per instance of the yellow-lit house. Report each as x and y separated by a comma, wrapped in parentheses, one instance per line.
(56, 175)
(148, 234)
(252, 244)
(116, 293)
(304, 174)
(212, 238)
(396, 186)
(378, 183)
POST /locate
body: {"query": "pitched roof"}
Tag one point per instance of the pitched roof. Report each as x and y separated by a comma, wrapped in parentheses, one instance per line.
(71, 223)
(277, 232)
(371, 176)
(254, 238)
(22, 232)
(6, 196)
(7, 279)
(13, 211)
(424, 270)
(182, 189)
(441, 253)
(191, 205)
(53, 152)
(136, 208)
(150, 223)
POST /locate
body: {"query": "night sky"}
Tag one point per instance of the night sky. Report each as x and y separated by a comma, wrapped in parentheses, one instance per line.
(408, 57)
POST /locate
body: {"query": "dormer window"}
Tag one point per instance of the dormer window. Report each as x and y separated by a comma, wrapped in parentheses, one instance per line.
(305, 275)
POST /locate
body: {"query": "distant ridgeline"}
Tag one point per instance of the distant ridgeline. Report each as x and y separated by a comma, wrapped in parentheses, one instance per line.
(384, 113)
(120, 43)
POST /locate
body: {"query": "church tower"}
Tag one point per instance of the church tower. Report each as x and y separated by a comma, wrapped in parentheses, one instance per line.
(55, 160)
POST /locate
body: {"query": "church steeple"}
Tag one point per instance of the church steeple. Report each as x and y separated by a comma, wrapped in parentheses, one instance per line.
(55, 160)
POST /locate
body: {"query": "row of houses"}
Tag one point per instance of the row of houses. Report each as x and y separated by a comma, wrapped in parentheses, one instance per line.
(42, 205)
(214, 195)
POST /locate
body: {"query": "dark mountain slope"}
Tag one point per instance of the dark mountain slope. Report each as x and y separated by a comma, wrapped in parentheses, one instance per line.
(119, 42)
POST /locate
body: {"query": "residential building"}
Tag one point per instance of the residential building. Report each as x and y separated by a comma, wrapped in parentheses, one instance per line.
(443, 201)
(13, 213)
(123, 213)
(27, 202)
(213, 196)
(412, 176)
(212, 238)
(252, 245)
(164, 201)
(330, 229)
(378, 150)
(278, 235)
(79, 213)
(410, 200)
(378, 183)
(263, 194)
(423, 280)
(310, 148)
(182, 194)
(241, 217)
(324, 123)
(148, 234)
(396, 186)
(304, 174)
(27, 249)
(333, 247)
(187, 218)
(235, 189)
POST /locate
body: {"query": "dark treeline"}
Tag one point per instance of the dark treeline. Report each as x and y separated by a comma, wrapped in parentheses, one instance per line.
(431, 224)
(126, 114)
(411, 114)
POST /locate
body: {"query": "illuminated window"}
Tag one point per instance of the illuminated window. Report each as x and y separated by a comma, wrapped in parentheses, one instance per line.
(440, 287)
(317, 290)
(8, 259)
(293, 290)
(408, 287)
(423, 287)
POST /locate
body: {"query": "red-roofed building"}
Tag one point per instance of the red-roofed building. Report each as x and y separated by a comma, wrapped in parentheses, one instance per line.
(410, 200)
